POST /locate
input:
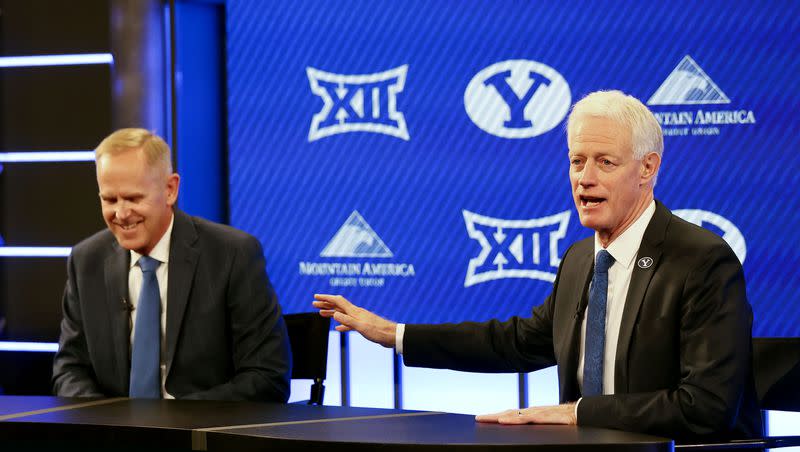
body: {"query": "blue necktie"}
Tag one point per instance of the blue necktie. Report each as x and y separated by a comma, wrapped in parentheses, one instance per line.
(596, 326)
(145, 359)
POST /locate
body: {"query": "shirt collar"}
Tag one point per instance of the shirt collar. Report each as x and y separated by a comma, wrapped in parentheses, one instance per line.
(625, 247)
(160, 252)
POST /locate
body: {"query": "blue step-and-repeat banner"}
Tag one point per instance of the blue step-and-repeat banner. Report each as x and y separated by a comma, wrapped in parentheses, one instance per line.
(411, 155)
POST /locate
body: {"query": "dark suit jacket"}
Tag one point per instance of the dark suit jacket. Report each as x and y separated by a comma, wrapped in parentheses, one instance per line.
(683, 360)
(225, 337)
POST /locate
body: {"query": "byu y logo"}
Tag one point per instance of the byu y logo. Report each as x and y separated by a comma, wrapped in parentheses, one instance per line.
(515, 248)
(358, 103)
(517, 99)
(719, 224)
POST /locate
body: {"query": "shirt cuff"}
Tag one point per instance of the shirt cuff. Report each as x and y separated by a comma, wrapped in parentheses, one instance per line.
(398, 338)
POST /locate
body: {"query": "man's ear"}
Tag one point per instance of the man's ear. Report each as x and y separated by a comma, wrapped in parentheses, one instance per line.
(173, 184)
(650, 164)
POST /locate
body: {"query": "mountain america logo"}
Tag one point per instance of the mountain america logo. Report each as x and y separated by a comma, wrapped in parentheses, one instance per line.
(358, 103)
(356, 239)
(515, 248)
(358, 242)
(517, 99)
(688, 84)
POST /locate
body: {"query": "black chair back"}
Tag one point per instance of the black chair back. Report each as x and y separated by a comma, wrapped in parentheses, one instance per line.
(776, 371)
(308, 335)
(776, 368)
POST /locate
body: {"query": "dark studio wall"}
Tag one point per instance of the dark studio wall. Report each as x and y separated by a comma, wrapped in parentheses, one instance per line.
(46, 204)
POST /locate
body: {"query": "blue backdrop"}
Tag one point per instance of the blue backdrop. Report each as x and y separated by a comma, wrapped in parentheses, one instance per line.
(411, 154)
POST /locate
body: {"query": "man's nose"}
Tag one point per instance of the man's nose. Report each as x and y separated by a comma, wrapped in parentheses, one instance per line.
(589, 174)
(123, 210)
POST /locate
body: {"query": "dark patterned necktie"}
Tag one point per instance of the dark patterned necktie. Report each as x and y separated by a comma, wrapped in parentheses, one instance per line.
(596, 326)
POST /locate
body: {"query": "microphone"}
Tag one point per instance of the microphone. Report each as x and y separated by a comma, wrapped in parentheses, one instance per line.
(128, 306)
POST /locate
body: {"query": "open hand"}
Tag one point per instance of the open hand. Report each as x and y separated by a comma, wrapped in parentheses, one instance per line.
(352, 317)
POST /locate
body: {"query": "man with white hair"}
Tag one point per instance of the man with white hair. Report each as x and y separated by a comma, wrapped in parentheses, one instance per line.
(648, 321)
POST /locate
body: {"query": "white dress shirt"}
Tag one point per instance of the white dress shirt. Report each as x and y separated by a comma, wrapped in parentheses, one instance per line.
(160, 253)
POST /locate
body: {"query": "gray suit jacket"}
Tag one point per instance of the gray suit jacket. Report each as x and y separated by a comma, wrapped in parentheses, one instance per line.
(225, 337)
(683, 360)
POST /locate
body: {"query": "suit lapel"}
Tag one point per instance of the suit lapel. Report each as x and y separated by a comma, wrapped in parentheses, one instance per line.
(576, 283)
(647, 260)
(116, 281)
(183, 256)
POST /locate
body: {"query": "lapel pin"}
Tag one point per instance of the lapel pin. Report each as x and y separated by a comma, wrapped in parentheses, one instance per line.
(645, 262)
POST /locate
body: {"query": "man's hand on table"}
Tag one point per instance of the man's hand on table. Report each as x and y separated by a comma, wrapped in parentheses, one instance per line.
(558, 414)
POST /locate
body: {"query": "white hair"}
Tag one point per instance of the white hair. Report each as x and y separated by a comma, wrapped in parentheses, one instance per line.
(627, 111)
